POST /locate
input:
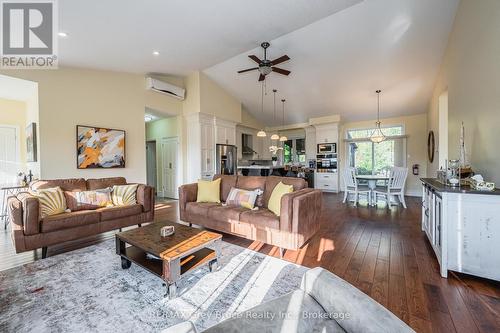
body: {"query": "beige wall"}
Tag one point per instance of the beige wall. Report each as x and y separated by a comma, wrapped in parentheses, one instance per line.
(68, 97)
(471, 74)
(217, 102)
(13, 113)
(416, 145)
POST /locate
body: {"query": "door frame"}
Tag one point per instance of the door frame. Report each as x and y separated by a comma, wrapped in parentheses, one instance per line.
(177, 166)
(155, 162)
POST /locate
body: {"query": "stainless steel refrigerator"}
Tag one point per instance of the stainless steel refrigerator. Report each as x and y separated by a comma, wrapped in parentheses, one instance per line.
(226, 159)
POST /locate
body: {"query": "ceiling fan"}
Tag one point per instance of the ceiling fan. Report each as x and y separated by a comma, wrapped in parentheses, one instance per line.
(266, 66)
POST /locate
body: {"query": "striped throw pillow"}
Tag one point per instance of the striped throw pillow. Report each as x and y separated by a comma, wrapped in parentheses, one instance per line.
(124, 195)
(242, 198)
(52, 201)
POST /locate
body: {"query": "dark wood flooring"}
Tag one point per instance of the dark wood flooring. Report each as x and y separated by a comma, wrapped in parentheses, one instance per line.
(382, 252)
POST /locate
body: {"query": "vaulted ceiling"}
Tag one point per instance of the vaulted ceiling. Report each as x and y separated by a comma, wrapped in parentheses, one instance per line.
(338, 63)
(341, 50)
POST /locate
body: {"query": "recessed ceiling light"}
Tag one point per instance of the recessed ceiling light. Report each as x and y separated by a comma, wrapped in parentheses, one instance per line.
(156, 53)
(62, 34)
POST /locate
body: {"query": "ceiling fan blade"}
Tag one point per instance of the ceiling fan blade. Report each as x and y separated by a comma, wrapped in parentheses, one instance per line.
(280, 71)
(262, 77)
(248, 70)
(280, 60)
(254, 58)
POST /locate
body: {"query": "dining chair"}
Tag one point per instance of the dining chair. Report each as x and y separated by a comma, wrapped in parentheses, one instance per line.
(395, 186)
(352, 186)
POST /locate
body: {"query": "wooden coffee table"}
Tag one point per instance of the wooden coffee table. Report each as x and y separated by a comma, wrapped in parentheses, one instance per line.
(178, 254)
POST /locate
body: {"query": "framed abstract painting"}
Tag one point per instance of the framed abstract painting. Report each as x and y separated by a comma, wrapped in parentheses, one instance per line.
(31, 143)
(98, 147)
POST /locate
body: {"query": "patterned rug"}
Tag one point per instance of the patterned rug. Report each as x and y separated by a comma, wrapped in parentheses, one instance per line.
(87, 291)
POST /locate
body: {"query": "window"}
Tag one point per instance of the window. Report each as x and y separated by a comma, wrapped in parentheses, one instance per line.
(297, 154)
(376, 158)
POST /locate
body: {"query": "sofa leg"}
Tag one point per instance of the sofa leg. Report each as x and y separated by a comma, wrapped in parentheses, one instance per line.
(44, 252)
(139, 225)
(120, 230)
(282, 252)
(190, 224)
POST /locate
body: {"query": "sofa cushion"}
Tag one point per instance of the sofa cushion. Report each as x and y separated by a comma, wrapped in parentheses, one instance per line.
(124, 195)
(70, 184)
(112, 213)
(94, 184)
(227, 183)
(225, 213)
(200, 208)
(87, 200)
(272, 181)
(262, 218)
(253, 183)
(69, 220)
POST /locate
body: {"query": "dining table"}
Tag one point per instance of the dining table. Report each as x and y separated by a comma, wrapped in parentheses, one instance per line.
(372, 184)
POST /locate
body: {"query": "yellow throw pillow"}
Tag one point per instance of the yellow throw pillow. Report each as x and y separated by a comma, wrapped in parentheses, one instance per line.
(52, 201)
(208, 191)
(280, 190)
(124, 195)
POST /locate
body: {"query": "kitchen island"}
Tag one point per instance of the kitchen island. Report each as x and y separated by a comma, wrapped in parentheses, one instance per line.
(262, 170)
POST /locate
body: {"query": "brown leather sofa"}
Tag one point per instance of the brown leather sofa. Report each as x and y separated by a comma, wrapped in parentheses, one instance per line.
(298, 220)
(29, 232)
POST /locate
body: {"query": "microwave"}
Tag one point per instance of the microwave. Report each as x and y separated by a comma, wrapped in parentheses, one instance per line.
(327, 148)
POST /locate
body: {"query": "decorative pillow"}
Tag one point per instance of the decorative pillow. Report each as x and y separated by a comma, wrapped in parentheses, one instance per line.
(83, 200)
(208, 191)
(52, 201)
(242, 198)
(124, 195)
(280, 190)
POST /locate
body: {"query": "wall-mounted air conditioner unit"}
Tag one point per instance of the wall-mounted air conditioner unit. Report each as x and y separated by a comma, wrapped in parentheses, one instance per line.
(166, 88)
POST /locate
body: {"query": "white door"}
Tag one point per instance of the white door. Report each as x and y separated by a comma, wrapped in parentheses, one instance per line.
(169, 151)
(9, 155)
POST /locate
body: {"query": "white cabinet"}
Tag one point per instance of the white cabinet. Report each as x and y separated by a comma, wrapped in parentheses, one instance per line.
(326, 181)
(207, 150)
(225, 132)
(463, 228)
(327, 133)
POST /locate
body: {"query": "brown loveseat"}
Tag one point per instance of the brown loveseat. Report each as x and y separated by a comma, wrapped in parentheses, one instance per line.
(298, 220)
(29, 232)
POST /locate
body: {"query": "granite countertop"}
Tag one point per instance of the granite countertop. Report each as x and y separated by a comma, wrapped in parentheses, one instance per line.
(438, 186)
(270, 167)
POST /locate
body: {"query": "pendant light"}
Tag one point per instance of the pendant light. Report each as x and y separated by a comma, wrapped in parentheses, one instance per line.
(275, 136)
(262, 133)
(283, 138)
(377, 135)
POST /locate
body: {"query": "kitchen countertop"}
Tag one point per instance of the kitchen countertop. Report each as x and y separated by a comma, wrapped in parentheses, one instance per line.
(438, 186)
(259, 167)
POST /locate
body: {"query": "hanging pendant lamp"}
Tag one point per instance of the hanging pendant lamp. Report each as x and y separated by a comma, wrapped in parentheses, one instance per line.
(275, 136)
(262, 133)
(283, 138)
(377, 135)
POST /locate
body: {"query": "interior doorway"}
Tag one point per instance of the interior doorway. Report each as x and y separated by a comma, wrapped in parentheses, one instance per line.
(151, 164)
(169, 167)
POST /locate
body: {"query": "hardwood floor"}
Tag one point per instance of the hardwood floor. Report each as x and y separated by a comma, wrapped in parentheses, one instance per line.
(382, 252)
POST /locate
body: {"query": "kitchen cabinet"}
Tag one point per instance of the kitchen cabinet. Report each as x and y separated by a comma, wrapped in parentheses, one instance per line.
(225, 132)
(326, 181)
(207, 150)
(327, 133)
(463, 228)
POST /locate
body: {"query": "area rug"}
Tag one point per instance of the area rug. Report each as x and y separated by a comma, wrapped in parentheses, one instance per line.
(87, 291)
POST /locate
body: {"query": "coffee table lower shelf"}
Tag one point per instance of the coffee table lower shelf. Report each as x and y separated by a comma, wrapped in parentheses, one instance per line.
(159, 267)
